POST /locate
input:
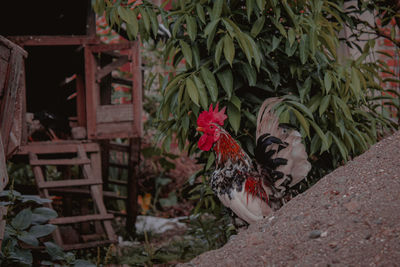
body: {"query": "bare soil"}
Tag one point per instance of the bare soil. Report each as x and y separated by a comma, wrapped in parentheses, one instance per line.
(351, 217)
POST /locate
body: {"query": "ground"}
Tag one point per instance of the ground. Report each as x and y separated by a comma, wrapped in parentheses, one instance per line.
(351, 217)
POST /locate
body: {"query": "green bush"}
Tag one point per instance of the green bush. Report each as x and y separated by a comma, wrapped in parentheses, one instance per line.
(240, 52)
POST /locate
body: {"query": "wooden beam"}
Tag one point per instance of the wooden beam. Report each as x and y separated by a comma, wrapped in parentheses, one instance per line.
(114, 113)
(81, 218)
(36, 40)
(59, 162)
(122, 81)
(69, 183)
(92, 92)
(88, 244)
(110, 47)
(137, 92)
(51, 147)
(110, 67)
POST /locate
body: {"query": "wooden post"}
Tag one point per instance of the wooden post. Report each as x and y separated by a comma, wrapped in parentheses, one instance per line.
(133, 176)
(3, 183)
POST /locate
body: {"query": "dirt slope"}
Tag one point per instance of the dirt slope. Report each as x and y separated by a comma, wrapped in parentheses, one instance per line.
(351, 217)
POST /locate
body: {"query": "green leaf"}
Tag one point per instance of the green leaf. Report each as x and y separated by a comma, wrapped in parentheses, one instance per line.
(302, 49)
(42, 230)
(302, 121)
(42, 215)
(250, 73)
(258, 26)
(23, 256)
(301, 107)
(344, 108)
(27, 238)
(233, 117)
(217, 9)
(275, 42)
(145, 17)
(200, 13)
(261, 4)
(23, 219)
(210, 161)
(324, 104)
(210, 32)
(341, 146)
(291, 36)
(202, 92)
(210, 82)
(327, 81)
(154, 21)
(176, 26)
(229, 49)
(191, 27)
(83, 263)
(249, 8)
(218, 51)
(320, 133)
(225, 78)
(38, 200)
(192, 91)
(55, 252)
(130, 18)
(187, 52)
(236, 102)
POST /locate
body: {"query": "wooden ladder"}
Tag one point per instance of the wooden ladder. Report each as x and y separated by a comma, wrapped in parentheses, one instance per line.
(91, 170)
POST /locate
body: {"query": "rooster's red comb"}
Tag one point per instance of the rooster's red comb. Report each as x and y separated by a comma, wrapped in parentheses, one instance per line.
(211, 116)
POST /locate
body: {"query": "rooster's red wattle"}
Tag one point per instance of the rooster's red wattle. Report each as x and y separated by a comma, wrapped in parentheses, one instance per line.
(252, 190)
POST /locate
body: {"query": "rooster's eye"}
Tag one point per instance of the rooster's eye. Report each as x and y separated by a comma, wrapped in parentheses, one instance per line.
(212, 127)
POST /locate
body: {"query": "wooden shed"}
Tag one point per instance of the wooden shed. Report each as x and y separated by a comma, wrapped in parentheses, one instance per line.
(68, 76)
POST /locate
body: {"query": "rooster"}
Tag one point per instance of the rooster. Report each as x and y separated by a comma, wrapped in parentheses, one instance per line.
(254, 189)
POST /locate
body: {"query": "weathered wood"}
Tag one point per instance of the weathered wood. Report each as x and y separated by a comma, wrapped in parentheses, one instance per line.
(69, 183)
(92, 92)
(119, 147)
(133, 177)
(115, 130)
(59, 162)
(52, 147)
(114, 113)
(81, 218)
(88, 244)
(122, 81)
(34, 40)
(137, 93)
(110, 47)
(3, 183)
(110, 67)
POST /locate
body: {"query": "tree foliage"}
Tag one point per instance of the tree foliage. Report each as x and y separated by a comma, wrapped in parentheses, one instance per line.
(240, 52)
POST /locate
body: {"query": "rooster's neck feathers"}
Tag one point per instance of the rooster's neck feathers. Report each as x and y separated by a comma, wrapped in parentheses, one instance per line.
(228, 150)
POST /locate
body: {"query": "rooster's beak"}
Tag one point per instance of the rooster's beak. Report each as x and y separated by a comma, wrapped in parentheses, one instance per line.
(200, 129)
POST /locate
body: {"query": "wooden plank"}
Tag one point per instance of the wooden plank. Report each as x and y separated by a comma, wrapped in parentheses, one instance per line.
(34, 40)
(110, 67)
(115, 130)
(4, 53)
(59, 162)
(3, 183)
(114, 113)
(10, 95)
(3, 75)
(119, 147)
(81, 218)
(110, 47)
(88, 244)
(69, 183)
(122, 81)
(137, 93)
(117, 213)
(132, 207)
(92, 92)
(51, 147)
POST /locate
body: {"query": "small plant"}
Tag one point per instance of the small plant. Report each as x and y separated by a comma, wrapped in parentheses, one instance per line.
(26, 233)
